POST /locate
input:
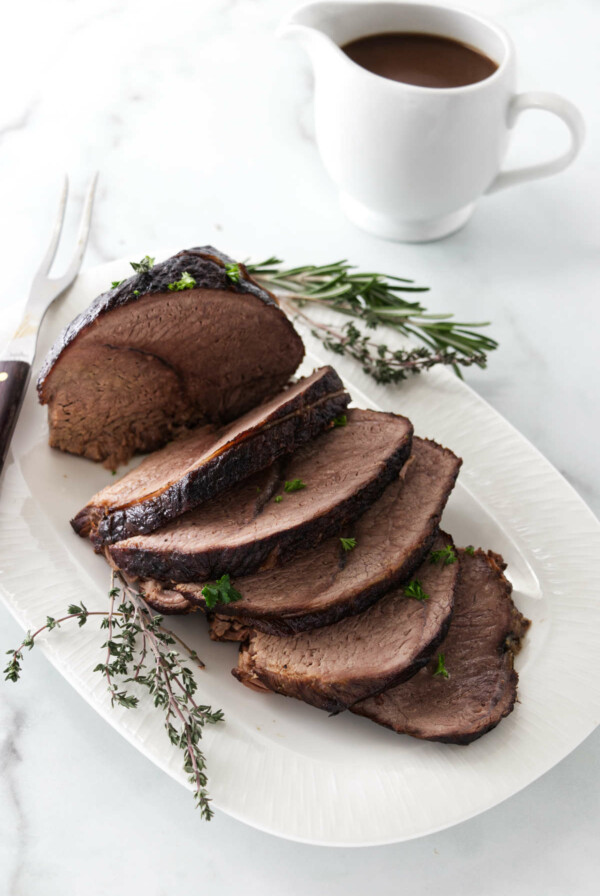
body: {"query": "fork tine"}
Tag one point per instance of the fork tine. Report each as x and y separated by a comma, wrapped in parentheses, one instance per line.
(83, 235)
(48, 258)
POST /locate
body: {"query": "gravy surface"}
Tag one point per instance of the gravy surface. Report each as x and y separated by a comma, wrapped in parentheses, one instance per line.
(426, 60)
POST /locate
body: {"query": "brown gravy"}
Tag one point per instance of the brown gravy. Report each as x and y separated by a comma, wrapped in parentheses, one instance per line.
(426, 60)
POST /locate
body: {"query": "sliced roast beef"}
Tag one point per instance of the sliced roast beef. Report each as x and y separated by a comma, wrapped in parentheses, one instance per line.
(192, 340)
(204, 462)
(335, 666)
(322, 586)
(167, 601)
(481, 687)
(300, 500)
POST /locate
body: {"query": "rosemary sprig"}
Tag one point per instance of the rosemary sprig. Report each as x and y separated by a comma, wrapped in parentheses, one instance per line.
(139, 651)
(375, 299)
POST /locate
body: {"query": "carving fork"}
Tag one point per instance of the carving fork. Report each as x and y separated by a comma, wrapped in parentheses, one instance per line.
(15, 366)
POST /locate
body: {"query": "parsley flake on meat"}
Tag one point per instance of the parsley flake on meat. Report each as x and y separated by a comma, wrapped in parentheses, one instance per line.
(294, 485)
(445, 555)
(233, 272)
(144, 266)
(415, 589)
(440, 668)
(186, 281)
(220, 592)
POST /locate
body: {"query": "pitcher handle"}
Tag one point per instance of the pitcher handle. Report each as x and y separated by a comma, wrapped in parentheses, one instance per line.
(567, 112)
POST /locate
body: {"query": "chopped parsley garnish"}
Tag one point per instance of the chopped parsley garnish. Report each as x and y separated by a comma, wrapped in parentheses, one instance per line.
(340, 420)
(116, 283)
(143, 266)
(278, 499)
(186, 281)
(220, 592)
(348, 544)
(440, 668)
(233, 272)
(294, 485)
(445, 555)
(415, 589)
(470, 549)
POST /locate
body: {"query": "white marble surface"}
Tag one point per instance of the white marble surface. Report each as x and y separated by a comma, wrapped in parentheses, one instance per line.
(200, 123)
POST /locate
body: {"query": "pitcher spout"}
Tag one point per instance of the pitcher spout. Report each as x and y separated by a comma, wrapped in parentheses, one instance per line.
(310, 25)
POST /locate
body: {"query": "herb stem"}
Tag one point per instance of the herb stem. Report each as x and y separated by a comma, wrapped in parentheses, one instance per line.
(189, 650)
(360, 349)
(375, 299)
(171, 684)
(175, 706)
(143, 654)
(111, 609)
(29, 641)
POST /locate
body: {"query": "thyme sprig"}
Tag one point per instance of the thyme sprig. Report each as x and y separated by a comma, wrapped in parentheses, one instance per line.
(375, 299)
(139, 652)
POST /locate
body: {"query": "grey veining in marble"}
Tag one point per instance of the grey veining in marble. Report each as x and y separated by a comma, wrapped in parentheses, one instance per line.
(200, 123)
(13, 721)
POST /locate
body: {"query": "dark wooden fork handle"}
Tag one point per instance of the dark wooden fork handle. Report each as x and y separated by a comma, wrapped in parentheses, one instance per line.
(14, 376)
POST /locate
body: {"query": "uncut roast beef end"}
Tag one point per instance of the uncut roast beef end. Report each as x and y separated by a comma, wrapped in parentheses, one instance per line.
(325, 585)
(259, 522)
(335, 666)
(144, 361)
(204, 462)
(484, 635)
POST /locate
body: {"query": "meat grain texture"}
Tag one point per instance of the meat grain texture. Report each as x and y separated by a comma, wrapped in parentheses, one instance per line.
(206, 461)
(485, 634)
(325, 585)
(335, 666)
(144, 362)
(258, 524)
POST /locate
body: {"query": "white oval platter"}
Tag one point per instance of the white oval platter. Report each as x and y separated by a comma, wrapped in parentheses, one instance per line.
(277, 764)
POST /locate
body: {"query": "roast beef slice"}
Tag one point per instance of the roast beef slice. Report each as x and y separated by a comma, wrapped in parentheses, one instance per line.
(484, 635)
(325, 585)
(258, 524)
(208, 460)
(335, 666)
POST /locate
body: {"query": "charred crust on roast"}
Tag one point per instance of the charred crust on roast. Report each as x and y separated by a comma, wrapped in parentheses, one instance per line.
(370, 582)
(500, 698)
(324, 685)
(205, 264)
(294, 625)
(178, 566)
(252, 450)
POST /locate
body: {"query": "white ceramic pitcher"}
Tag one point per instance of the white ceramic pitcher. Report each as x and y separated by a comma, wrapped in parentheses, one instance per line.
(409, 161)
